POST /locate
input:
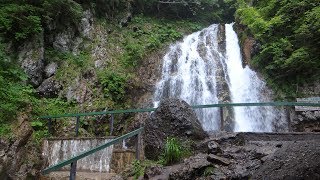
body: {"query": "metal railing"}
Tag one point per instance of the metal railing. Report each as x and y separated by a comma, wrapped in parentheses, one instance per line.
(194, 106)
(73, 160)
(113, 112)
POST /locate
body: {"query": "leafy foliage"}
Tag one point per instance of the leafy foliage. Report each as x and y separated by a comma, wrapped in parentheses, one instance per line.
(199, 10)
(62, 12)
(21, 20)
(51, 106)
(138, 169)
(209, 170)
(5, 130)
(173, 152)
(114, 85)
(289, 32)
(14, 94)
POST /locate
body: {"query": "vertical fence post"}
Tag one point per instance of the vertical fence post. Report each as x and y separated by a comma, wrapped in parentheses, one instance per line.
(111, 124)
(50, 126)
(138, 144)
(77, 126)
(288, 118)
(221, 119)
(73, 169)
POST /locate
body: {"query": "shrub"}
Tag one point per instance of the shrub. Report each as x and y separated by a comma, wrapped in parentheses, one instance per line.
(138, 169)
(133, 54)
(19, 22)
(114, 84)
(5, 130)
(62, 12)
(208, 171)
(14, 94)
(173, 152)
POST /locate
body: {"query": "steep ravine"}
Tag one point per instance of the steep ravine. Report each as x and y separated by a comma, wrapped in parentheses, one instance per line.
(76, 81)
(64, 68)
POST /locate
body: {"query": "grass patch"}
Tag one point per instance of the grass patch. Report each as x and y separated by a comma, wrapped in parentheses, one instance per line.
(174, 151)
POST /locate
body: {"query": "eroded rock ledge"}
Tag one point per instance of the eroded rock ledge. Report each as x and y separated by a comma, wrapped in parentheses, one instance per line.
(251, 156)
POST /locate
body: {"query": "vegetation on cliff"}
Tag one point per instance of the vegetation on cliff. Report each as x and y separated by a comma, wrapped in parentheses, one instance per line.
(289, 34)
(153, 25)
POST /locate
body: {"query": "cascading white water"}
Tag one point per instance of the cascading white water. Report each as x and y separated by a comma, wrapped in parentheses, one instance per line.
(203, 70)
(246, 86)
(58, 150)
(188, 73)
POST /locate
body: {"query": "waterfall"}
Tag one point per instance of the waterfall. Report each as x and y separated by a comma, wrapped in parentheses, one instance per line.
(58, 150)
(206, 68)
(246, 86)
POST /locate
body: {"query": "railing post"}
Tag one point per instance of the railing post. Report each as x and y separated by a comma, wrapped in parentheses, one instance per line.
(73, 170)
(221, 119)
(138, 144)
(288, 118)
(111, 124)
(77, 126)
(50, 126)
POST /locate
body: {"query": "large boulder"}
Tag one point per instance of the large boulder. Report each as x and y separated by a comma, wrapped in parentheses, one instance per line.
(49, 88)
(173, 118)
(50, 69)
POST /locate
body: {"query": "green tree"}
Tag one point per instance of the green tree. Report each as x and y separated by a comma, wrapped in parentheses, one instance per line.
(19, 22)
(289, 32)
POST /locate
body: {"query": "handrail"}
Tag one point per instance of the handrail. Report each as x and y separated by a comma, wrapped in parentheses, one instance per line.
(99, 113)
(91, 151)
(194, 106)
(258, 104)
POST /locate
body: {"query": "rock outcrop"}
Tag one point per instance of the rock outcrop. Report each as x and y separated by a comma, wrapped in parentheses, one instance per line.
(173, 118)
(31, 59)
(18, 158)
(306, 121)
(251, 156)
(49, 88)
(51, 69)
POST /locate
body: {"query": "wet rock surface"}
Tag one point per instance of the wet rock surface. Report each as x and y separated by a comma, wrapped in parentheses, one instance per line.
(253, 156)
(190, 168)
(152, 171)
(293, 160)
(307, 121)
(173, 118)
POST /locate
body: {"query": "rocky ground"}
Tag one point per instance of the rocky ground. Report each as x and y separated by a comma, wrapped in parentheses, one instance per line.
(226, 155)
(249, 156)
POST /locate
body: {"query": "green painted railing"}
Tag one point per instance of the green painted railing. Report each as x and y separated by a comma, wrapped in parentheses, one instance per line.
(91, 151)
(73, 160)
(195, 107)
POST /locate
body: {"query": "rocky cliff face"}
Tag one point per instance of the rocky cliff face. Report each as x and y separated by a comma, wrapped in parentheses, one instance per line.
(307, 121)
(19, 157)
(249, 46)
